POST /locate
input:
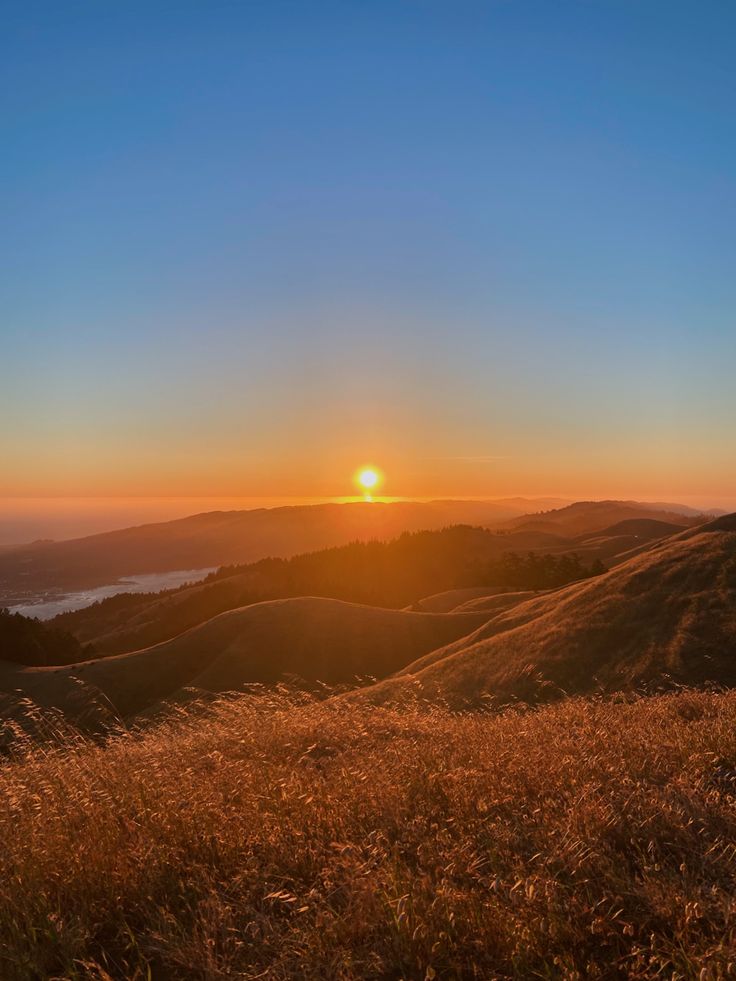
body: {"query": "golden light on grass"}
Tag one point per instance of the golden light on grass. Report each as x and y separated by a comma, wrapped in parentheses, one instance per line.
(478, 845)
(368, 479)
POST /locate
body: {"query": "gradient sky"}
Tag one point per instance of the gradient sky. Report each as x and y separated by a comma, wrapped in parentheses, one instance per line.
(246, 247)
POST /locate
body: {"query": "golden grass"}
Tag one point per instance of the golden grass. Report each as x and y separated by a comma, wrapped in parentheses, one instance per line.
(267, 837)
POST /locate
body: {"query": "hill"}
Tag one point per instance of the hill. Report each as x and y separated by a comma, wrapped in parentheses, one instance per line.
(646, 528)
(449, 599)
(588, 517)
(389, 574)
(665, 617)
(281, 840)
(318, 641)
(624, 539)
(495, 603)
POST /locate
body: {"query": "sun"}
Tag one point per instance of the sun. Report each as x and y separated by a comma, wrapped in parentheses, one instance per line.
(368, 479)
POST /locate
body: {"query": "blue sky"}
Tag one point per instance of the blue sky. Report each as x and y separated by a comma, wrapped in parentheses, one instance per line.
(247, 246)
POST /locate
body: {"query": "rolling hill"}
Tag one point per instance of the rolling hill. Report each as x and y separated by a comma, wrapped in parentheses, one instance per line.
(496, 603)
(664, 617)
(315, 640)
(450, 599)
(391, 574)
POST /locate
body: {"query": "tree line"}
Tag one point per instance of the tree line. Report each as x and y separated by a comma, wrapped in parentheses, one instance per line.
(26, 640)
(533, 571)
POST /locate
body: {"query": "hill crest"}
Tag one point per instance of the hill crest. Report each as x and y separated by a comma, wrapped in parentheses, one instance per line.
(664, 617)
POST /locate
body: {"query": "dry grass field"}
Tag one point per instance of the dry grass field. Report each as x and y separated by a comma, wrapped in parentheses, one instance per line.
(275, 837)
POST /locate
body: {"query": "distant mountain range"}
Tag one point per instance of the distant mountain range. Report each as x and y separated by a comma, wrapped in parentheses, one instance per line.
(223, 537)
(589, 516)
(234, 537)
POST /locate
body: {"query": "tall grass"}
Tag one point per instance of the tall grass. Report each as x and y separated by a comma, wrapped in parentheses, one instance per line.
(266, 837)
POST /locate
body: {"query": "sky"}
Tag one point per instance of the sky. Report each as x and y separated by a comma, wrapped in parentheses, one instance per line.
(248, 247)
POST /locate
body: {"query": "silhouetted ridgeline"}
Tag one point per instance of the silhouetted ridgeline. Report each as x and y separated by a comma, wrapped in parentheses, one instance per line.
(587, 517)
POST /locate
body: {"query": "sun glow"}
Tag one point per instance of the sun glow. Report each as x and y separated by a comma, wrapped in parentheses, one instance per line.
(368, 479)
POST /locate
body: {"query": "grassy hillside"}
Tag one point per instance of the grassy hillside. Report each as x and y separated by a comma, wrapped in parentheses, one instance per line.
(308, 640)
(667, 616)
(450, 600)
(265, 839)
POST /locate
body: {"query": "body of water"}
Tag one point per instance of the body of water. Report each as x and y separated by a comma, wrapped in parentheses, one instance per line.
(48, 605)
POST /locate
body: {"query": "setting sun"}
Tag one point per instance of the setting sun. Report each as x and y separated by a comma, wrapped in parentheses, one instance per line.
(368, 478)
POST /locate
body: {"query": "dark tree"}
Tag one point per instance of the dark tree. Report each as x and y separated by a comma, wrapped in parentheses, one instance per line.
(28, 641)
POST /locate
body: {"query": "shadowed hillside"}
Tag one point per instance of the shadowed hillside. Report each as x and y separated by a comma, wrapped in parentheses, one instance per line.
(314, 641)
(646, 528)
(667, 616)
